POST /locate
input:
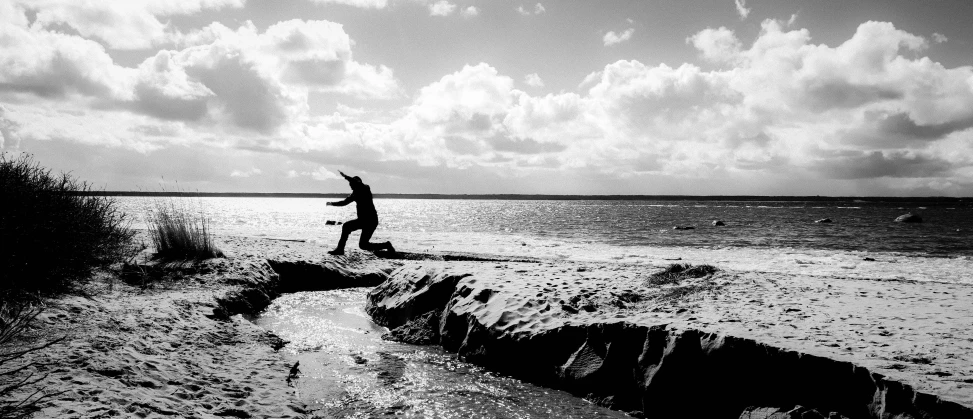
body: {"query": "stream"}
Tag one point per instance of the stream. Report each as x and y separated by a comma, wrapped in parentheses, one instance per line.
(347, 370)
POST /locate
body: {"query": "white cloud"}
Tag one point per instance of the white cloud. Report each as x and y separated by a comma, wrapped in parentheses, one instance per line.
(52, 64)
(234, 87)
(783, 109)
(792, 20)
(716, 45)
(742, 8)
(441, 8)
(611, 38)
(119, 24)
(365, 4)
(777, 110)
(8, 131)
(939, 38)
(323, 174)
(533, 80)
(246, 173)
(470, 11)
(538, 9)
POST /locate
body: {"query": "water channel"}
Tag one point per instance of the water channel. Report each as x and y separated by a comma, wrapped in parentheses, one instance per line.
(349, 371)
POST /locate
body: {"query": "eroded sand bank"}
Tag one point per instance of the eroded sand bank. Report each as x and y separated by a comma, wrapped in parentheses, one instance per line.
(715, 346)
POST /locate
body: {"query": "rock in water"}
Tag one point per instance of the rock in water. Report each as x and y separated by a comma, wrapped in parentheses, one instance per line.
(718, 223)
(684, 228)
(823, 220)
(908, 218)
(330, 223)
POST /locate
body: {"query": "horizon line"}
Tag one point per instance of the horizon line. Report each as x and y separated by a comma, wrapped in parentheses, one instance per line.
(514, 196)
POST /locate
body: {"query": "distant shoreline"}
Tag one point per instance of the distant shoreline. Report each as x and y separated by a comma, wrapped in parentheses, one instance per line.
(537, 197)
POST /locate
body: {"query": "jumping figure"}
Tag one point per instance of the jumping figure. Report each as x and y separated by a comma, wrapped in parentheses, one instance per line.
(367, 219)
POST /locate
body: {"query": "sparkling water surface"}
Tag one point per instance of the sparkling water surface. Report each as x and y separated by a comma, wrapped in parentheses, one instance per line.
(348, 371)
(857, 226)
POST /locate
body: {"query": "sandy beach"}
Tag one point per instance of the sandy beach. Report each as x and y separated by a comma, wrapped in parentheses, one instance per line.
(176, 348)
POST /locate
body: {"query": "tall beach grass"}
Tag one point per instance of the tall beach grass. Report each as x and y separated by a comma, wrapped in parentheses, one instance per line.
(179, 229)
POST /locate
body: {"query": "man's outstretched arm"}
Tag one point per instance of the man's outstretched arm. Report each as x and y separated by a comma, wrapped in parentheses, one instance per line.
(343, 202)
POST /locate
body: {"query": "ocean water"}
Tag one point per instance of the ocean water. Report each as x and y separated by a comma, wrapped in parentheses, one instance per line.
(946, 230)
(863, 241)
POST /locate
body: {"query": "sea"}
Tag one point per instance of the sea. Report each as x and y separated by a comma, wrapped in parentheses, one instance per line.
(349, 371)
(763, 235)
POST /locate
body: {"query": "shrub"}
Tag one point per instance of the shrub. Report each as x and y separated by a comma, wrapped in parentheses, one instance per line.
(54, 233)
(179, 231)
(675, 273)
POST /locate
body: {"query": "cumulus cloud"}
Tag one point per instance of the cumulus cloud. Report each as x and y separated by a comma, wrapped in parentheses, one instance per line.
(538, 9)
(533, 80)
(611, 38)
(441, 8)
(716, 45)
(52, 64)
(771, 111)
(323, 174)
(470, 11)
(8, 131)
(118, 24)
(863, 109)
(742, 10)
(246, 173)
(365, 4)
(939, 38)
(238, 79)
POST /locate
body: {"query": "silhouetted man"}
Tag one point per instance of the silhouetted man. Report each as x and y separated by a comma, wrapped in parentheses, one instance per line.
(367, 220)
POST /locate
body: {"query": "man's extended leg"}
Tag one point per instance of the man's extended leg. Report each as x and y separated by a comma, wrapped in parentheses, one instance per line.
(345, 231)
(366, 235)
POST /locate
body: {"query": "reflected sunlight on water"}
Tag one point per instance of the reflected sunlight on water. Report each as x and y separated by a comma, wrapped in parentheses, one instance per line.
(347, 370)
(856, 226)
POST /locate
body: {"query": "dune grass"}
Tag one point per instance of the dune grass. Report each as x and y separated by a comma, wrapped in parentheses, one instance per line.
(179, 229)
(54, 233)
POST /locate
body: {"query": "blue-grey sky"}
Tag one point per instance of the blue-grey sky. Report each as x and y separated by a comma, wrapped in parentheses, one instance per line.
(813, 97)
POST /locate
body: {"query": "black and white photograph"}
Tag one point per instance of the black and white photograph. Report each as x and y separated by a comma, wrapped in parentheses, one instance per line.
(741, 209)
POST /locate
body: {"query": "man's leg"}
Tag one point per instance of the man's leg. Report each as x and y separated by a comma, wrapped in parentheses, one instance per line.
(366, 235)
(346, 230)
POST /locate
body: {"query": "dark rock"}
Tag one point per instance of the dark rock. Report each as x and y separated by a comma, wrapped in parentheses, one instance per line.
(328, 274)
(422, 330)
(684, 228)
(823, 221)
(330, 223)
(908, 218)
(272, 340)
(718, 223)
(869, 259)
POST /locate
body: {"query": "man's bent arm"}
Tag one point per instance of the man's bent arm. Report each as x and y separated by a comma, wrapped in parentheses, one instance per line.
(346, 201)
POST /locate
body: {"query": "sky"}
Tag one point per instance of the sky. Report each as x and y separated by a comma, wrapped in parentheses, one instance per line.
(648, 97)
